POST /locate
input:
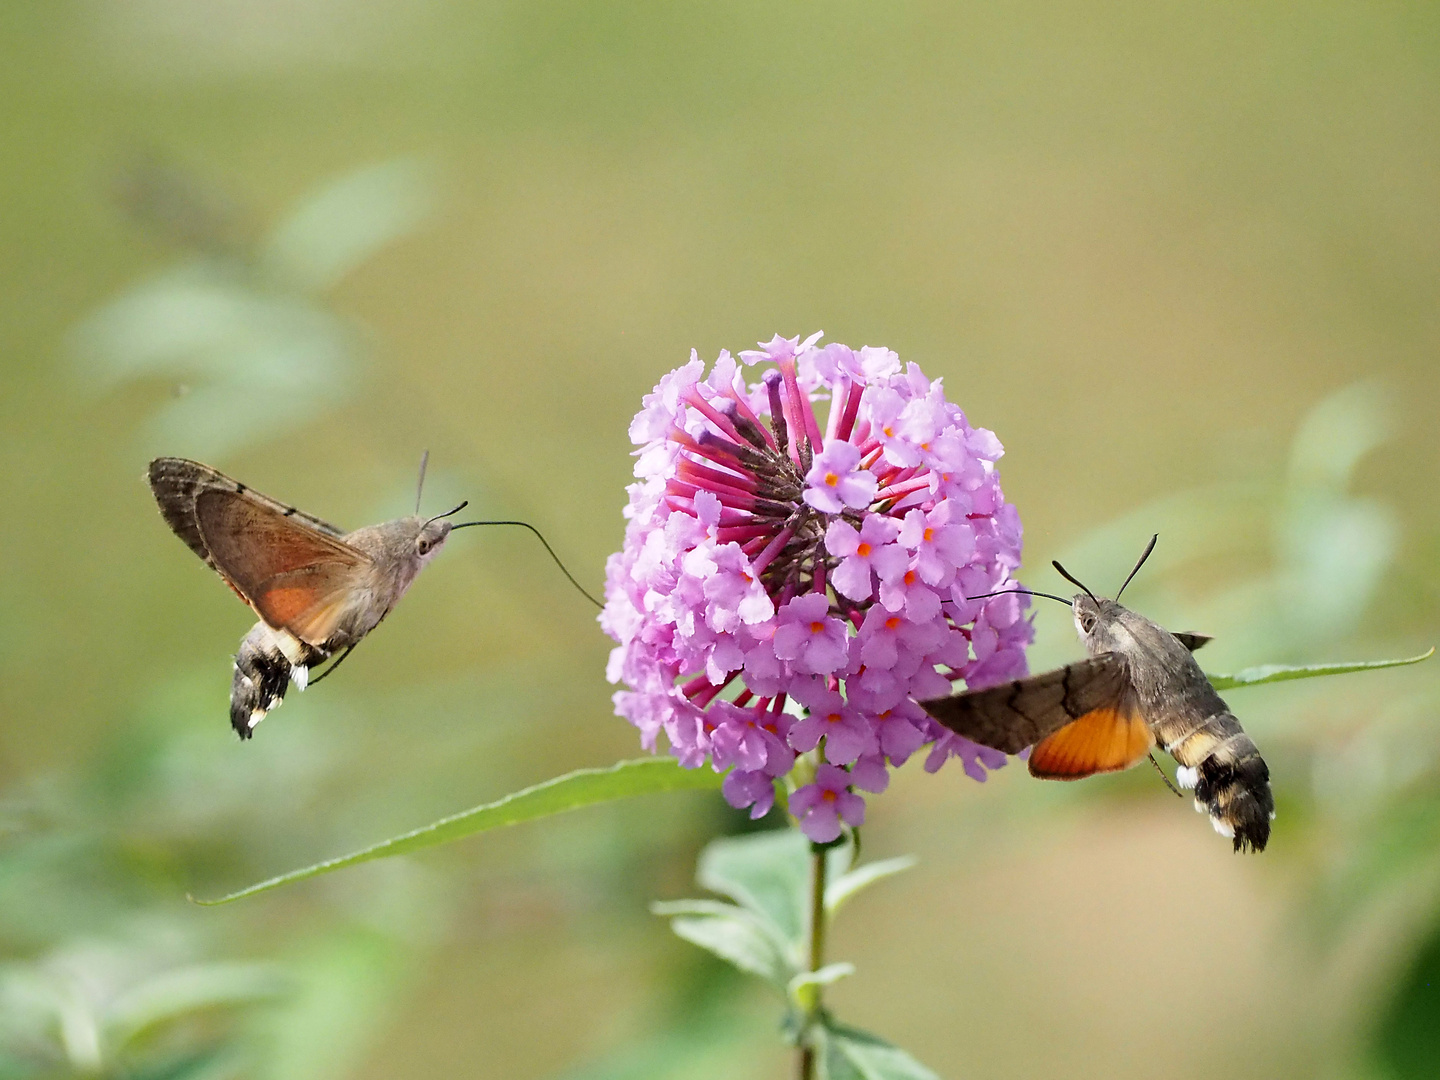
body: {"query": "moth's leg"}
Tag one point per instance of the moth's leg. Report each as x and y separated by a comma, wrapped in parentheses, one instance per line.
(338, 661)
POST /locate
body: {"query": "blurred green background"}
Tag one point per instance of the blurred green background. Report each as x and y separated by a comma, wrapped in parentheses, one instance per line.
(1184, 260)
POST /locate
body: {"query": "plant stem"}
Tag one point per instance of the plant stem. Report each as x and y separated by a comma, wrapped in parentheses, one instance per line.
(816, 929)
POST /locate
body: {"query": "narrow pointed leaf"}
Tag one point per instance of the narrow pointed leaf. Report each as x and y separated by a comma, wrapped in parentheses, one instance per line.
(583, 787)
(343, 224)
(181, 991)
(1268, 673)
(668, 908)
(782, 948)
(841, 890)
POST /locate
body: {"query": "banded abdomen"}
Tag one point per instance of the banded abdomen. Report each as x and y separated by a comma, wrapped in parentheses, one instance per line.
(1224, 767)
(266, 663)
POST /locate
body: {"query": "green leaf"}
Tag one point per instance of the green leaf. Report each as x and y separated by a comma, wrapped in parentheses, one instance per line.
(667, 908)
(1268, 673)
(830, 973)
(583, 787)
(180, 991)
(734, 936)
(346, 222)
(847, 1053)
(787, 960)
(768, 873)
(1407, 1040)
(847, 885)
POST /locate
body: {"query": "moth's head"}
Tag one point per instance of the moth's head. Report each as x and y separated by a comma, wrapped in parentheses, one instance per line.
(1098, 621)
(1090, 610)
(1087, 613)
(428, 535)
(430, 538)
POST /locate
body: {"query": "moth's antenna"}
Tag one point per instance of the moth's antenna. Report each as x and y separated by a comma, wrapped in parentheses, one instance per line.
(1148, 548)
(1023, 592)
(420, 485)
(448, 513)
(546, 543)
(1073, 580)
(1158, 769)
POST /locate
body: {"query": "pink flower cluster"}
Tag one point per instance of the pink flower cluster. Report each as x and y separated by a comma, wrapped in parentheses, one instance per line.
(786, 589)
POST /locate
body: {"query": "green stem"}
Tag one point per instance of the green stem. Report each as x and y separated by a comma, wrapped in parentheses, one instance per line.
(816, 930)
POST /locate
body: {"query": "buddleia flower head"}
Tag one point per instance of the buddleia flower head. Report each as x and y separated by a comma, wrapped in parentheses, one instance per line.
(790, 586)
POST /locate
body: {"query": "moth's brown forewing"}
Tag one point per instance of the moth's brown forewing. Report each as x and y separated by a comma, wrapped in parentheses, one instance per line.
(291, 567)
(317, 590)
(1017, 714)
(296, 577)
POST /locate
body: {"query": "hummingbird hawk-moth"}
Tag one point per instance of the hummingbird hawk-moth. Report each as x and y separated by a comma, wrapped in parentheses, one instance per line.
(317, 588)
(1140, 686)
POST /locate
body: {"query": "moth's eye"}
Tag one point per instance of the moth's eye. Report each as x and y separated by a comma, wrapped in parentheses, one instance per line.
(423, 547)
(1088, 622)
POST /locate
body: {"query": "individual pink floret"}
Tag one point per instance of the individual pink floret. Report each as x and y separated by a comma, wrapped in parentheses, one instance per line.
(836, 480)
(864, 553)
(821, 806)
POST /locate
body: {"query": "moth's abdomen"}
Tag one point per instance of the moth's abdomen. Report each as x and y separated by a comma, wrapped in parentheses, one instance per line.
(267, 661)
(1230, 778)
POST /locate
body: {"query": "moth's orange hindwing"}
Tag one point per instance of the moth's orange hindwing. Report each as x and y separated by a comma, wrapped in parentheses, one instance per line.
(1107, 739)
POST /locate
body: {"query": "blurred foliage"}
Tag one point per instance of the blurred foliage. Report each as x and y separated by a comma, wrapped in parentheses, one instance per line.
(766, 932)
(1407, 1041)
(240, 328)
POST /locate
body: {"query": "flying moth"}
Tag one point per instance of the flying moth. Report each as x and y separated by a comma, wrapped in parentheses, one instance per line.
(317, 589)
(1139, 687)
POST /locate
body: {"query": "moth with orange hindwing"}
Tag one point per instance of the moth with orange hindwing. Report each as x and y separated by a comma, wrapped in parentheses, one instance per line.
(1140, 687)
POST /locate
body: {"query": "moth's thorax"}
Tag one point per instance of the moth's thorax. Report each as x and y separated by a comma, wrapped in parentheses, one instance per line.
(1162, 672)
(400, 550)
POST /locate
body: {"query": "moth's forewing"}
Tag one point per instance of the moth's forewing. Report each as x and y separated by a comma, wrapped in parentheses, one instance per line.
(1190, 640)
(1014, 715)
(177, 482)
(291, 567)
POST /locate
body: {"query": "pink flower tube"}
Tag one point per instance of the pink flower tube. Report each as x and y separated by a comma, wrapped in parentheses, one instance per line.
(786, 587)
